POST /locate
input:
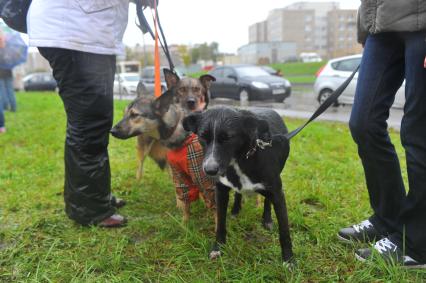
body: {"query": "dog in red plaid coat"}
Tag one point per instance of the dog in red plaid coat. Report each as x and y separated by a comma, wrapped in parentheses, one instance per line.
(185, 154)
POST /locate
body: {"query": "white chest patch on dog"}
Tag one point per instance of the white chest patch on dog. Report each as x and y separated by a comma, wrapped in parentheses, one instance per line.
(247, 186)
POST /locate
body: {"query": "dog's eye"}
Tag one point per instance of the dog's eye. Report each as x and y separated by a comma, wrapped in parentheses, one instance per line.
(133, 115)
(196, 89)
(223, 137)
(183, 90)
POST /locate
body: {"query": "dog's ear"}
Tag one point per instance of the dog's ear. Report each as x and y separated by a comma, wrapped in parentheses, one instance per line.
(191, 122)
(206, 81)
(257, 128)
(171, 78)
(263, 131)
(161, 104)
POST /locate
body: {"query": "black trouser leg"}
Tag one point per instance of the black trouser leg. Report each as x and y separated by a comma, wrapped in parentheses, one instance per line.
(85, 84)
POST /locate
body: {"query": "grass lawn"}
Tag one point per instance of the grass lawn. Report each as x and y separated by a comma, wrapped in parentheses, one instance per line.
(298, 72)
(324, 187)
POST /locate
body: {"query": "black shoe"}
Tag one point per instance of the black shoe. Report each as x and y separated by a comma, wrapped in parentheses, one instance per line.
(117, 202)
(390, 253)
(363, 232)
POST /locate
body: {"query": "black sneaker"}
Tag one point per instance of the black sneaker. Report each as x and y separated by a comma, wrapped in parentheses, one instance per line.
(362, 232)
(390, 253)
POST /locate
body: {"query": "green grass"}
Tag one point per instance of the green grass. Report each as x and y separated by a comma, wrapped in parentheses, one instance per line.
(197, 74)
(299, 73)
(298, 68)
(324, 186)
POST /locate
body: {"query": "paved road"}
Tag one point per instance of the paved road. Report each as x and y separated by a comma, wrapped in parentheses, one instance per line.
(301, 104)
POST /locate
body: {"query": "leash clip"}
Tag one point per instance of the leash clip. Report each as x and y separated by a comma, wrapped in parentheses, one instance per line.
(259, 144)
(262, 144)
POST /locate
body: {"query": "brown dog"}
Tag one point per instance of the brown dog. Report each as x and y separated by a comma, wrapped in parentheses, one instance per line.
(148, 143)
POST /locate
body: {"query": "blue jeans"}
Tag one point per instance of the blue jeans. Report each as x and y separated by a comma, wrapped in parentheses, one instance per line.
(389, 58)
(8, 93)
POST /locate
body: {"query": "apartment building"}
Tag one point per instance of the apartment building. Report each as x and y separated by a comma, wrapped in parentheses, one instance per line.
(342, 33)
(258, 32)
(319, 27)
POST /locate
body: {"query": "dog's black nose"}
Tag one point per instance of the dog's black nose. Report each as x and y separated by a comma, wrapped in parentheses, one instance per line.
(191, 103)
(116, 133)
(211, 168)
(113, 131)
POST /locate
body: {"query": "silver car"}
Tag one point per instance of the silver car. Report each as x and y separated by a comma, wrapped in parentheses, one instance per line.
(335, 72)
(126, 83)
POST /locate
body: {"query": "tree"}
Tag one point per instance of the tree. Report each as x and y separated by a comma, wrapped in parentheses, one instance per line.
(205, 51)
(184, 54)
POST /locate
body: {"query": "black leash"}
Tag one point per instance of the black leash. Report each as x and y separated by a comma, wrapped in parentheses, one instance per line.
(261, 144)
(327, 103)
(145, 28)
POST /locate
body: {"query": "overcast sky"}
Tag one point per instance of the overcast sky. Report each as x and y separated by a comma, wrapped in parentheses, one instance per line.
(223, 21)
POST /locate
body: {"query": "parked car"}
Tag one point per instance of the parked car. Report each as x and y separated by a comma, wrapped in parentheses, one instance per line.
(335, 72)
(126, 83)
(146, 83)
(309, 57)
(39, 82)
(248, 82)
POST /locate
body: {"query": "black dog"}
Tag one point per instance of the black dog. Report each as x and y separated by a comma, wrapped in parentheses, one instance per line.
(246, 151)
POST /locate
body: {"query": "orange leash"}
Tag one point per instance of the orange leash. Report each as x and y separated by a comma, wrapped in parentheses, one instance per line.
(157, 74)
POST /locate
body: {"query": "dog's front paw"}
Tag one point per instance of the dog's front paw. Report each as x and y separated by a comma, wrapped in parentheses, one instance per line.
(214, 254)
(289, 265)
(268, 225)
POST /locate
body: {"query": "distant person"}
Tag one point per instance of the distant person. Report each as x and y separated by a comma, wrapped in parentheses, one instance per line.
(393, 34)
(2, 122)
(6, 90)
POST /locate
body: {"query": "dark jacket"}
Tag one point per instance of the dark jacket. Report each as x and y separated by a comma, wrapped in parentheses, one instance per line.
(376, 16)
(5, 73)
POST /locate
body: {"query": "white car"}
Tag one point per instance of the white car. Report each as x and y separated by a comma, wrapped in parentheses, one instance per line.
(126, 83)
(335, 72)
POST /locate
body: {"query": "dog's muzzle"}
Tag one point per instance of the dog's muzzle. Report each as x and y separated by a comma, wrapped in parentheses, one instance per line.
(211, 167)
(191, 103)
(115, 132)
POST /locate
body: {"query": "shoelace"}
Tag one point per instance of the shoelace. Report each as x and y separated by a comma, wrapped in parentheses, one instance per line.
(364, 224)
(385, 245)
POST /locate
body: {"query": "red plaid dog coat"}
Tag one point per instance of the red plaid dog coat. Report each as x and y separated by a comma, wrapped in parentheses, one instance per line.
(188, 175)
